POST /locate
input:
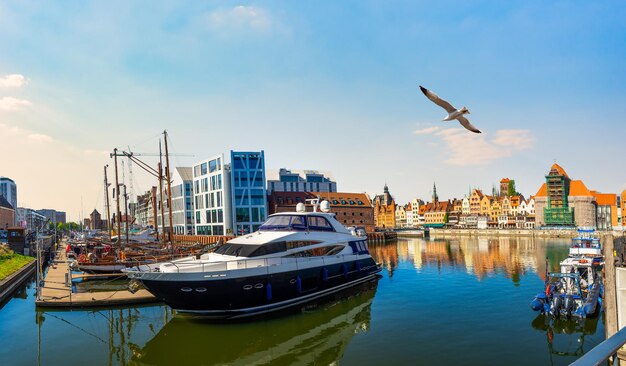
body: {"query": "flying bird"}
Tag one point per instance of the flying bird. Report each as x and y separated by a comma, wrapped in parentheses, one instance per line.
(453, 113)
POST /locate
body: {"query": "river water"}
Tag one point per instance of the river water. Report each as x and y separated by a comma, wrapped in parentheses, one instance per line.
(461, 301)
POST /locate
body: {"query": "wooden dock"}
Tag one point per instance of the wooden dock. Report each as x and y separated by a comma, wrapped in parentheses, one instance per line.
(57, 293)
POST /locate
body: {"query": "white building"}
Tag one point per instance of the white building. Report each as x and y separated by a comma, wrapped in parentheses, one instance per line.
(182, 202)
(409, 215)
(465, 206)
(211, 192)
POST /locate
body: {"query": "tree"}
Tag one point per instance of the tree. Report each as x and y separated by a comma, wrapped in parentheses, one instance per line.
(511, 190)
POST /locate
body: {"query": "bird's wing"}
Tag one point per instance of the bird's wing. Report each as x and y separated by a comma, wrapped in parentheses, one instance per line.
(466, 123)
(435, 98)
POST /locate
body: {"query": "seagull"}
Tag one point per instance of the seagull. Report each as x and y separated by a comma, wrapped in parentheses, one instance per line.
(453, 113)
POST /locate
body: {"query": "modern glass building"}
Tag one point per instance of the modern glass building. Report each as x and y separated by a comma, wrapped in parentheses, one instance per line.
(212, 201)
(249, 197)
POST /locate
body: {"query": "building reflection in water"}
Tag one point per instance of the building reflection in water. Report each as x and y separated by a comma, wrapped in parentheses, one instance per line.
(478, 256)
(319, 336)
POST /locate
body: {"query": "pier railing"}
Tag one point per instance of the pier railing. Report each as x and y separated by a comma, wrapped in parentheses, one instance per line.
(602, 352)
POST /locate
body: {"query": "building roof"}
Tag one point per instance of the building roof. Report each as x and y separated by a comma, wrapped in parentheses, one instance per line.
(605, 199)
(478, 192)
(557, 168)
(505, 180)
(4, 203)
(542, 192)
(185, 172)
(578, 188)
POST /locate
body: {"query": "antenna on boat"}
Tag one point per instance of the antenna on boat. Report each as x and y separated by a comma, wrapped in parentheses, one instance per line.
(315, 202)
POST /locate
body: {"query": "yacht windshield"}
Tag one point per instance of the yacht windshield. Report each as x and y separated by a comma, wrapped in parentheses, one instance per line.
(284, 223)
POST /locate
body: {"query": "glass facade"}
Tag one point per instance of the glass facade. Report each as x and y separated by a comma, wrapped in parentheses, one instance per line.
(211, 210)
(249, 197)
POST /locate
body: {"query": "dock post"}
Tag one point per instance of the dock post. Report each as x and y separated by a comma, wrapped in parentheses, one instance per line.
(610, 296)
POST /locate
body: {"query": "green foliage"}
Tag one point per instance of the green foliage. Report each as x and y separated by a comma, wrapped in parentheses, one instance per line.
(11, 262)
(512, 191)
(445, 218)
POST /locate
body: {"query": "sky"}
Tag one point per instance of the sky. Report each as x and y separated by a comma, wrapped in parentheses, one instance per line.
(325, 85)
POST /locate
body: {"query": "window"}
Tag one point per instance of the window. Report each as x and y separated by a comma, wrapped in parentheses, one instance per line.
(318, 223)
(335, 202)
(284, 222)
(319, 252)
(203, 169)
(242, 215)
(300, 244)
(343, 202)
(212, 166)
(352, 202)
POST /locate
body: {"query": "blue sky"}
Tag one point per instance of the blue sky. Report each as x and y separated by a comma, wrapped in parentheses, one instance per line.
(322, 85)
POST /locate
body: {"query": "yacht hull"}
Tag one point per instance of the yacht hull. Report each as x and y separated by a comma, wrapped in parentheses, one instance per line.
(252, 295)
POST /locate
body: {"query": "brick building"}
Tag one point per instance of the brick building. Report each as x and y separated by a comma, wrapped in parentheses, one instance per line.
(7, 213)
(351, 209)
(385, 210)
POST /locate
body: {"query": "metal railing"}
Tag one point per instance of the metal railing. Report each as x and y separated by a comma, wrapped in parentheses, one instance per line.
(602, 352)
(194, 266)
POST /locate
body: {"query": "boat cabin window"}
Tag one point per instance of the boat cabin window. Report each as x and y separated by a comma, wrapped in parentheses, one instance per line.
(301, 243)
(318, 223)
(244, 250)
(284, 222)
(319, 252)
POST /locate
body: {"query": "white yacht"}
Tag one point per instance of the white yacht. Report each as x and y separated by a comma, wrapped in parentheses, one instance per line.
(293, 258)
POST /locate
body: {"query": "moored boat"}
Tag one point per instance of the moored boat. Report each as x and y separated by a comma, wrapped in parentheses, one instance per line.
(577, 290)
(292, 259)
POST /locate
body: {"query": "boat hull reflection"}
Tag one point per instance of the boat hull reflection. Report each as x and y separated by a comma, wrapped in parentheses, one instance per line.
(317, 335)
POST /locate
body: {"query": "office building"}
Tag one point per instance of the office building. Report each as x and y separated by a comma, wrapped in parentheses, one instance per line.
(309, 181)
(8, 189)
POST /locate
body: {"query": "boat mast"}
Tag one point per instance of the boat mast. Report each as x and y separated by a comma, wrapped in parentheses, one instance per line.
(126, 212)
(169, 190)
(117, 201)
(106, 195)
(161, 190)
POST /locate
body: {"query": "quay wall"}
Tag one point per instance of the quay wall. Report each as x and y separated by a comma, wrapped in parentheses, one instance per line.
(495, 233)
(557, 233)
(15, 280)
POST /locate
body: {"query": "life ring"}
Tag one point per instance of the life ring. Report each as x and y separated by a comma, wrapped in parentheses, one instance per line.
(82, 258)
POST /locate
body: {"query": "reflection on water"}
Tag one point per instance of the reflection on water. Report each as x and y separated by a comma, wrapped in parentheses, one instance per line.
(315, 337)
(479, 256)
(454, 301)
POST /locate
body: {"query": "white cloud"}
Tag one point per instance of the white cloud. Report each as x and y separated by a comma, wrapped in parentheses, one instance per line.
(13, 104)
(12, 81)
(465, 148)
(426, 131)
(516, 139)
(38, 137)
(240, 17)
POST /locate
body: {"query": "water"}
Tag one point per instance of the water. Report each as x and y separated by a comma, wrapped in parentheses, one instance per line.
(454, 301)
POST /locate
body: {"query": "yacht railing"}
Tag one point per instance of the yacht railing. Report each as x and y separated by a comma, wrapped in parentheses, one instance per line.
(602, 352)
(261, 262)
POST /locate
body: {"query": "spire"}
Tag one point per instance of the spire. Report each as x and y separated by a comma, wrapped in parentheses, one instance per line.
(435, 197)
